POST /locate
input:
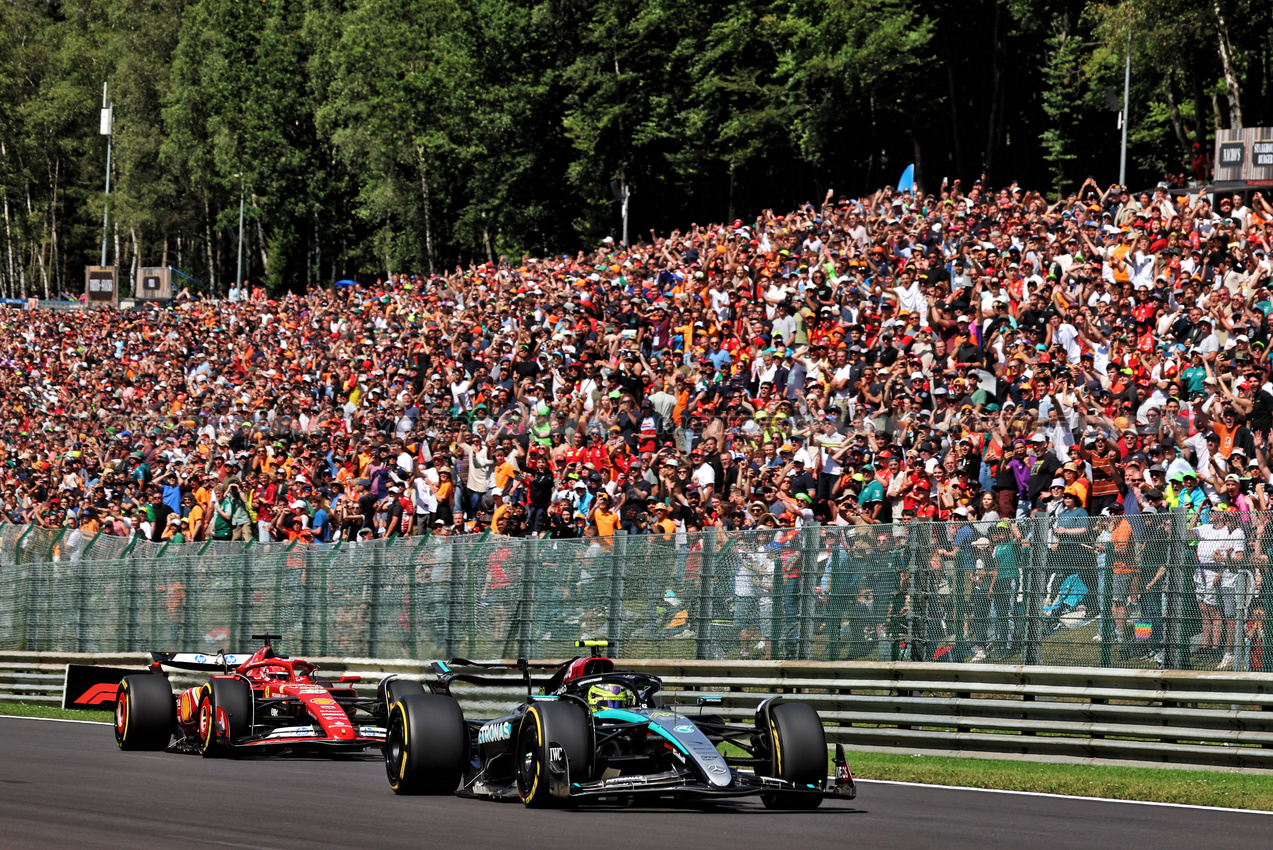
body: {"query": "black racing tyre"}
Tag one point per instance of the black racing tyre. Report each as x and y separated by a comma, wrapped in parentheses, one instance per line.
(234, 698)
(564, 723)
(797, 749)
(145, 713)
(426, 744)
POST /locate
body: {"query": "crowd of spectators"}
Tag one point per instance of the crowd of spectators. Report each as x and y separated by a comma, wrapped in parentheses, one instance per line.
(966, 354)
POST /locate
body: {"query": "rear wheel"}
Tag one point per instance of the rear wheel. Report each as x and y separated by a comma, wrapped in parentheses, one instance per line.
(797, 747)
(546, 725)
(426, 744)
(225, 714)
(145, 713)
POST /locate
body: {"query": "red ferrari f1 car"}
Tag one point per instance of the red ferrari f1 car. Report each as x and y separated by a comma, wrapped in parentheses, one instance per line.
(257, 702)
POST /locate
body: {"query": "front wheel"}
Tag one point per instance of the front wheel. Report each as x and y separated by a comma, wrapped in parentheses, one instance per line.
(797, 749)
(145, 713)
(545, 727)
(426, 744)
(225, 714)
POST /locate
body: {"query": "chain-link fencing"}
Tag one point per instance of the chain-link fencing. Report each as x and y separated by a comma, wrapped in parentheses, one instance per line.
(1174, 590)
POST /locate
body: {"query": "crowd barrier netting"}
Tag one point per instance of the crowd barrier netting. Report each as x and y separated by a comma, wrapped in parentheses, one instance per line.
(1162, 590)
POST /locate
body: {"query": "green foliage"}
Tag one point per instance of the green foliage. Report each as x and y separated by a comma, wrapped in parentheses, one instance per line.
(372, 136)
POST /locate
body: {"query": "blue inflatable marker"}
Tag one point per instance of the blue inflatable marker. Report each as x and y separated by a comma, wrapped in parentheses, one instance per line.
(907, 181)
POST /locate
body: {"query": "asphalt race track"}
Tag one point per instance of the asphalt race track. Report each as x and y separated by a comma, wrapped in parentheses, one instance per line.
(67, 785)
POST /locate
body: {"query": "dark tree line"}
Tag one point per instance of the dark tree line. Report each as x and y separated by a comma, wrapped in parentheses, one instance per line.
(371, 136)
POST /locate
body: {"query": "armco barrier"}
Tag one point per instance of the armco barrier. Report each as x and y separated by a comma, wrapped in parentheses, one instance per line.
(1035, 713)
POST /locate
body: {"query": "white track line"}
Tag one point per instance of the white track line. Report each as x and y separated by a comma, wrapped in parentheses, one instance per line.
(1066, 796)
(55, 719)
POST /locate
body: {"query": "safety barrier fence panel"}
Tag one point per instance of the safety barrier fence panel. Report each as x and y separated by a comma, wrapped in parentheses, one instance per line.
(1038, 713)
(1170, 590)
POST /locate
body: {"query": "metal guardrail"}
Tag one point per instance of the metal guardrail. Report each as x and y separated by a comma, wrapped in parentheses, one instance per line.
(1035, 713)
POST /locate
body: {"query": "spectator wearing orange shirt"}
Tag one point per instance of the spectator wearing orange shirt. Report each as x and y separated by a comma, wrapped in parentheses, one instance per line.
(603, 516)
(1075, 482)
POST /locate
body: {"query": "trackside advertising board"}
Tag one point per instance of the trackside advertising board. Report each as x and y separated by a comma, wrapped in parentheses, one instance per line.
(93, 688)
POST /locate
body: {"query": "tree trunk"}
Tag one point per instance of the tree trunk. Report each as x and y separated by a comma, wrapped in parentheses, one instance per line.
(37, 251)
(1199, 106)
(207, 223)
(428, 215)
(132, 269)
(954, 119)
(1177, 124)
(1232, 85)
(53, 251)
(917, 176)
(164, 260)
(8, 233)
(996, 92)
(260, 238)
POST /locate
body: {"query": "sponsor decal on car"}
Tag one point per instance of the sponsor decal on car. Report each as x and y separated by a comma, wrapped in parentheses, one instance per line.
(494, 732)
(294, 732)
(322, 701)
(683, 728)
(372, 731)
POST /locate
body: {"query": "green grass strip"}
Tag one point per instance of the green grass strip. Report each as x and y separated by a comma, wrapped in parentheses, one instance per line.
(1163, 785)
(17, 709)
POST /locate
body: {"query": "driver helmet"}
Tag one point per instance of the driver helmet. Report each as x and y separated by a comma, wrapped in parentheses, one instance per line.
(609, 696)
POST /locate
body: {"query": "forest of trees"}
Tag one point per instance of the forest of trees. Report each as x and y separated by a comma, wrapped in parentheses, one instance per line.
(371, 136)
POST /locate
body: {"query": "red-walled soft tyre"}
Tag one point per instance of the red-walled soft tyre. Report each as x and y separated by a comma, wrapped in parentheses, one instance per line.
(145, 713)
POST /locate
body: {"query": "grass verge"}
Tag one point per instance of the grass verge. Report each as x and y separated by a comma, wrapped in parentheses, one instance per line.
(1148, 784)
(17, 709)
(1195, 787)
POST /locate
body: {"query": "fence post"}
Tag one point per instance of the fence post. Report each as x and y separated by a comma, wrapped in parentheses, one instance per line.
(128, 606)
(189, 602)
(243, 578)
(1107, 608)
(91, 544)
(324, 594)
(618, 566)
(1035, 582)
(1178, 572)
(706, 596)
(1266, 596)
(81, 594)
(23, 573)
(377, 599)
(419, 616)
(526, 605)
(470, 600)
(810, 536)
(309, 578)
(901, 632)
(777, 622)
(455, 600)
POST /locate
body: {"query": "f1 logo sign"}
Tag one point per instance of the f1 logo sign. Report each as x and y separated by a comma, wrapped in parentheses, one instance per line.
(98, 694)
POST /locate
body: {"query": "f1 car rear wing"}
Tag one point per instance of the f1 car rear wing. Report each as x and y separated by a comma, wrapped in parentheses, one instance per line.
(219, 662)
(595, 663)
